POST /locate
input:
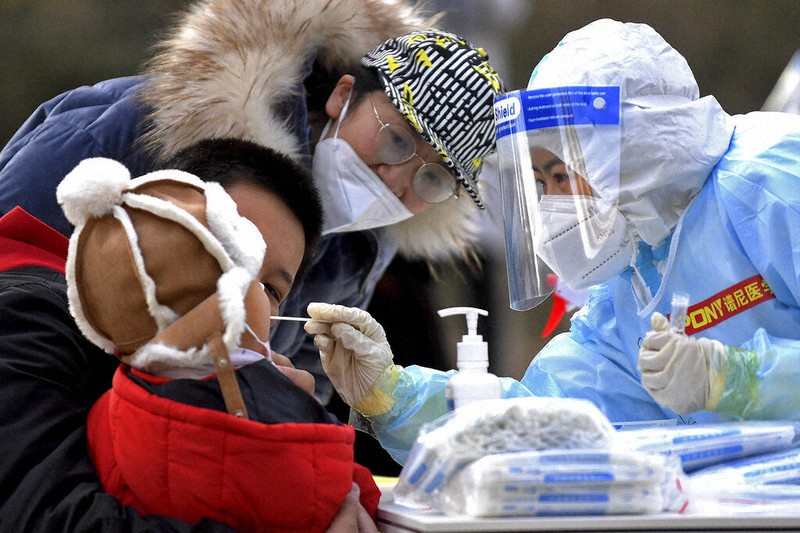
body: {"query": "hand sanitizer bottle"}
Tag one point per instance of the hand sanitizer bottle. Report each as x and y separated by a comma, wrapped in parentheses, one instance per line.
(473, 381)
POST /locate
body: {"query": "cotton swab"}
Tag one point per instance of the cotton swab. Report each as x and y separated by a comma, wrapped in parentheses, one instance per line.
(297, 319)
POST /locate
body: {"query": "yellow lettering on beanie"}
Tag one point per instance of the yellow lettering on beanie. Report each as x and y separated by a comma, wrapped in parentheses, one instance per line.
(423, 58)
(489, 73)
(392, 62)
(408, 98)
(441, 40)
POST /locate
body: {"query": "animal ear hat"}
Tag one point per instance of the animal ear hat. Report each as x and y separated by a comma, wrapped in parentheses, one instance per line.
(148, 250)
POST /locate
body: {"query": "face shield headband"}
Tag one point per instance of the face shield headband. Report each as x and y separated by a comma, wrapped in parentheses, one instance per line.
(559, 158)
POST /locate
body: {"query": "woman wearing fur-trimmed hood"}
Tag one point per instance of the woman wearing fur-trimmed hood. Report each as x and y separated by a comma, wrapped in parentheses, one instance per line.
(266, 72)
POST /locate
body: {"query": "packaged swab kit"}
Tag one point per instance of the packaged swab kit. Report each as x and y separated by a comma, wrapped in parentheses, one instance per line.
(564, 482)
(532, 456)
(701, 445)
(763, 484)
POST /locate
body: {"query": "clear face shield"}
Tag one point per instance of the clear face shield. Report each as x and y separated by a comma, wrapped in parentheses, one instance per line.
(559, 153)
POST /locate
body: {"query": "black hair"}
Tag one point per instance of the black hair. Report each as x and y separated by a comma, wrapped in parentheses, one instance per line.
(368, 80)
(321, 83)
(228, 161)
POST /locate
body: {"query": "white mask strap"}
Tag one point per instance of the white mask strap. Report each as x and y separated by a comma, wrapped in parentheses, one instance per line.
(258, 340)
(338, 121)
(345, 107)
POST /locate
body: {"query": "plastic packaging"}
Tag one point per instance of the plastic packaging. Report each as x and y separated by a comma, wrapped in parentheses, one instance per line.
(764, 484)
(473, 382)
(565, 482)
(774, 468)
(677, 316)
(491, 427)
(534, 457)
(699, 446)
(744, 500)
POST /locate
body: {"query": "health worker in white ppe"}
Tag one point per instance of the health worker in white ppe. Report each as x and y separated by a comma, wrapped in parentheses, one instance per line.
(617, 175)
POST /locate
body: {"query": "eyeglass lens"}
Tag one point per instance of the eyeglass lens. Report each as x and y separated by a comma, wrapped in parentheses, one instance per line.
(394, 145)
(433, 183)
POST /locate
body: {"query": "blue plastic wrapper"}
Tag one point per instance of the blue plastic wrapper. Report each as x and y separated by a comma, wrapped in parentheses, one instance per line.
(702, 445)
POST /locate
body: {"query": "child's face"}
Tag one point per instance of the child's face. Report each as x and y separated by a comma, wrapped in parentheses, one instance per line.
(283, 234)
(286, 243)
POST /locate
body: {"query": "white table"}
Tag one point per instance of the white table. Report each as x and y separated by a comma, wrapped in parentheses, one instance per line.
(393, 518)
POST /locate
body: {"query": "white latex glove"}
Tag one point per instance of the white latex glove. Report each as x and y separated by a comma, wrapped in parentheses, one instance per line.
(683, 373)
(355, 355)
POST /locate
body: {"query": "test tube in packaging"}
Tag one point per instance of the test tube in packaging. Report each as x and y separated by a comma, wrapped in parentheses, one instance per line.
(680, 305)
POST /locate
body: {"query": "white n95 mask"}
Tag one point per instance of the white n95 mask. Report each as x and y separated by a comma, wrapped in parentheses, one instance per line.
(354, 198)
(582, 240)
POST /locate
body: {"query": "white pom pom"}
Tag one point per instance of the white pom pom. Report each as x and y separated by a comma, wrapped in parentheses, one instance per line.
(92, 189)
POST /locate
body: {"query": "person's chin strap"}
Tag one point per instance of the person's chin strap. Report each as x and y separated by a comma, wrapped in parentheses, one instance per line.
(231, 393)
(205, 321)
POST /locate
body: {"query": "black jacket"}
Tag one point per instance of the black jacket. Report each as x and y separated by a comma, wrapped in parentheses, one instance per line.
(50, 376)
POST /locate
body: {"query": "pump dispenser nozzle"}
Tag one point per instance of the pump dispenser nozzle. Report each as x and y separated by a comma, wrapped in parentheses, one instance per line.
(472, 317)
(473, 381)
(472, 351)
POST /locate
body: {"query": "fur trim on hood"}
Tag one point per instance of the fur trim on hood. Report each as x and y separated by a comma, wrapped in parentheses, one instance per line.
(230, 67)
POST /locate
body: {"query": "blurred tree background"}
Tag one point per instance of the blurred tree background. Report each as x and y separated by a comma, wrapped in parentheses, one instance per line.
(736, 48)
(47, 47)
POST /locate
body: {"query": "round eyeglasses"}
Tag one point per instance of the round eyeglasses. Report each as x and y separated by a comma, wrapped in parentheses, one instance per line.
(395, 145)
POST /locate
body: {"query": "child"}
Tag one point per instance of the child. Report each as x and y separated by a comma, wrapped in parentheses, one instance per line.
(163, 272)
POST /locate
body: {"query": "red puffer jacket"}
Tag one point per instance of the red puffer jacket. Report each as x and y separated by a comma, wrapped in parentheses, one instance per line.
(206, 463)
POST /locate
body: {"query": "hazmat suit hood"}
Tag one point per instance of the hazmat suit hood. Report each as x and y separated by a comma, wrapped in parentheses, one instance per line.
(671, 139)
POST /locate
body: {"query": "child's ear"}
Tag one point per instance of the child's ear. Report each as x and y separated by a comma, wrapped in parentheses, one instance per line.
(339, 96)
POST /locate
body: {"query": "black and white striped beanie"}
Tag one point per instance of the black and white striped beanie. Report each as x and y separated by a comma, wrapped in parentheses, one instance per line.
(445, 87)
